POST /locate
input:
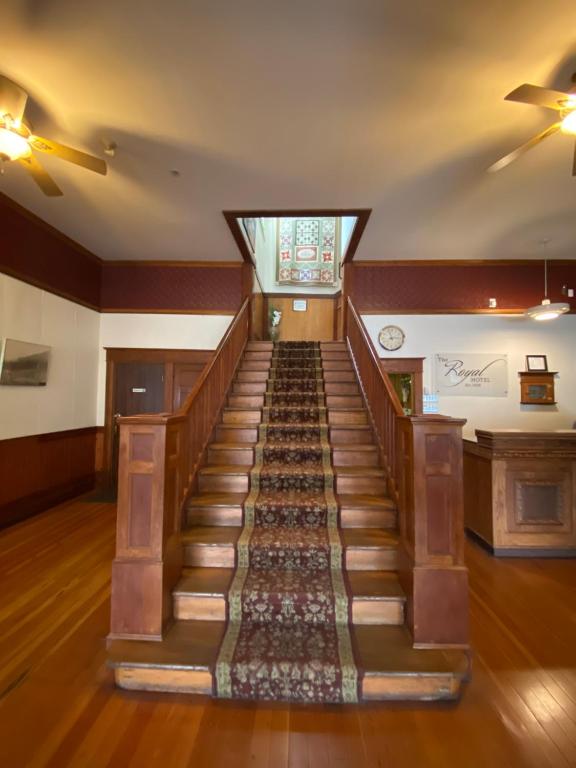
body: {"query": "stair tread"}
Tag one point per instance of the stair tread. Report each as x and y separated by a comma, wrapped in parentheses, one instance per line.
(216, 500)
(365, 500)
(193, 644)
(225, 535)
(215, 582)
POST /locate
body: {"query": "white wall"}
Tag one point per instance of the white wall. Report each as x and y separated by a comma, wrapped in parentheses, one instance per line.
(155, 332)
(266, 264)
(68, 401)
(516, 336)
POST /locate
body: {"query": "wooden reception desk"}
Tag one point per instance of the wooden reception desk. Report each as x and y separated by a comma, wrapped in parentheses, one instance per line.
(520, 492)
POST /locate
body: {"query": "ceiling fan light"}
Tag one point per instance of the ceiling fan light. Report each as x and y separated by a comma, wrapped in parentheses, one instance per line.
(13, 146)
(547, 311)
(568, 124)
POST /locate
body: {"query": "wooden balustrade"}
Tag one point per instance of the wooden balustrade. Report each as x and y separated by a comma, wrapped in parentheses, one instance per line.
(423, 458)
(159, 457)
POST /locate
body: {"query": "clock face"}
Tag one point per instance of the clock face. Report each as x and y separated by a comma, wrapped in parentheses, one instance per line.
(391, 337)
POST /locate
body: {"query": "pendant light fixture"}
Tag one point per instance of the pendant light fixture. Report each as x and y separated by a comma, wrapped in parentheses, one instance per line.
(547, 310)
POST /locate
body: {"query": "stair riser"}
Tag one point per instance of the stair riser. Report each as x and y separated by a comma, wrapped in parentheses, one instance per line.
(347, 417)
(264, 354)
(367, 518)
(340, 376)
(371, 559)
(254, 365)
(223, 483)
(375, 686)
(350, 436)
(344, 401)
(341, 457)
(349, 518)
(225, 434)
(242, 457)
(214, 516)
(242, 417)
(348, 457)
(336, 365)
(371, 485)
(252, 375)
(335, 355)
(333, 346)
(356, 559)
(341, 388)
(213, 608)
(259, 346)
(246, 401)
(249, 388)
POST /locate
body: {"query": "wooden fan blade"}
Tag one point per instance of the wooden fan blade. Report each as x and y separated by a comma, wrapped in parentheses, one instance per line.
(540, 97)
(507, 159)
(12, 99)
(44, 181)
(67, 153)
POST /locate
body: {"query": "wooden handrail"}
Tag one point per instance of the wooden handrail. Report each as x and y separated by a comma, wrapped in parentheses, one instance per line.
(422, 456)
(380, 395)
(159, 457)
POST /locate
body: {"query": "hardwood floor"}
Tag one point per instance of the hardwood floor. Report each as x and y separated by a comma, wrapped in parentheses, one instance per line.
(59, 708)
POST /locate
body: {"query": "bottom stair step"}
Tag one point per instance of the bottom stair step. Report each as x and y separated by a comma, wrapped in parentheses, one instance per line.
(184, 662)
(377, 597)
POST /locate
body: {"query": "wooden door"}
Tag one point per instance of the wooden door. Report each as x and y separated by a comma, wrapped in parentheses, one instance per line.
(139, 388)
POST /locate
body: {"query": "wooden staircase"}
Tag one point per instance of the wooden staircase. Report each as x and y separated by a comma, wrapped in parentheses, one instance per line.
(184, 659)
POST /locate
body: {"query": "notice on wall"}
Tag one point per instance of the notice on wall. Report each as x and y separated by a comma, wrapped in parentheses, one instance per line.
(471, 374)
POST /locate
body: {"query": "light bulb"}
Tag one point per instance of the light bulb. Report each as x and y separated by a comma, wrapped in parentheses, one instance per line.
(568, 125)
(13, 146)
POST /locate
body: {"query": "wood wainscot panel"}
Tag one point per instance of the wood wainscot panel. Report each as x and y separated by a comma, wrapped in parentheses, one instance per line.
(520, 490)
(39, 471)
(181, 370)
(317, 323)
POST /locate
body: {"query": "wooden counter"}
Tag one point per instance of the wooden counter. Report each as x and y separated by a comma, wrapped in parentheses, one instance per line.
(520, 492)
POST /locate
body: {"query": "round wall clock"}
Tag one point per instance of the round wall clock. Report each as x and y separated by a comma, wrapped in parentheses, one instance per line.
(391, 337)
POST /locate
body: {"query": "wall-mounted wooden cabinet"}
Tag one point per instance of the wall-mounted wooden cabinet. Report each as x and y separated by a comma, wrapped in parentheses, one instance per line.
(406, 376)
(537, 387)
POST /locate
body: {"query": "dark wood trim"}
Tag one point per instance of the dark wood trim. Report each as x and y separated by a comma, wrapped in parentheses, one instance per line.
(172, 263)
(304, 295)
(39, 471)
(459, 311)
(52, 231)
(459, 262)
(362, 216)
(144, 311)
(43, 286)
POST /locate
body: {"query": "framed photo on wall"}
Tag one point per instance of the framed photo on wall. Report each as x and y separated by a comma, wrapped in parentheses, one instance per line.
(536, 363)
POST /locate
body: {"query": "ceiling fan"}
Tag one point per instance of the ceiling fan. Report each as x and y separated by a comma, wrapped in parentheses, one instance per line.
(17, 141)
(564, 104)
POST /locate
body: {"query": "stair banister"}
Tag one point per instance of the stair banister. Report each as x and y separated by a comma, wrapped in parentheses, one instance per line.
(423, 458)
(159, 457)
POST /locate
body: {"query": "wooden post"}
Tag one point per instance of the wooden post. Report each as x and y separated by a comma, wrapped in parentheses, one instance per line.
(148, 559)
(431, 566)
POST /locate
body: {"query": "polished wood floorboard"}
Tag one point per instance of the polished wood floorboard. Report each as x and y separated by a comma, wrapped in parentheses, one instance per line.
(59, 707)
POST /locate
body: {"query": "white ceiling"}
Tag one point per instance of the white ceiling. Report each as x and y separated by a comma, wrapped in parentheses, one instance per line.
(395, 105)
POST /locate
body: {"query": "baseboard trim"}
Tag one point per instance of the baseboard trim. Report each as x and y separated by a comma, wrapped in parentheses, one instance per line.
(28, 506)
(520, 551)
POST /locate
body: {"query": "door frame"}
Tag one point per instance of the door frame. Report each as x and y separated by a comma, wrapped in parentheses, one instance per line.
(169, 357)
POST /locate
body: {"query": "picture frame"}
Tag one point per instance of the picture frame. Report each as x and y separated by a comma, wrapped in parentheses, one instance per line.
(536, 363)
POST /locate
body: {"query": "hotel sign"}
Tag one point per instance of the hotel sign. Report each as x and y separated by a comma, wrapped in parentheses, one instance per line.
(471, 374)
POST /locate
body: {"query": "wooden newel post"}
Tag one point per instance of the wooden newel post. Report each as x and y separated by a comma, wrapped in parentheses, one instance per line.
(148, 558)
(431, 503)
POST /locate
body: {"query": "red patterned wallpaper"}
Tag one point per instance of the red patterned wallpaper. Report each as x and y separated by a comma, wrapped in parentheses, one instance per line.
(452, 287)
(171, 287)
(36, 253)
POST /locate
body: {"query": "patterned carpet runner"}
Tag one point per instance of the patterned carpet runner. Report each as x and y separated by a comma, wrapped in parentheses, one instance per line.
(288, 635)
